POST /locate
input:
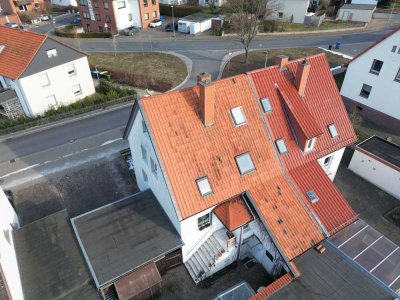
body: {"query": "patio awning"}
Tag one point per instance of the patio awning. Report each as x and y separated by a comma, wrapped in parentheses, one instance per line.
(233, 213)
(132, 285)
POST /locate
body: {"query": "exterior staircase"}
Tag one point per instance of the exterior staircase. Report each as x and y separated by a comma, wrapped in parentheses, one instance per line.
(111, 295)
(205, 258)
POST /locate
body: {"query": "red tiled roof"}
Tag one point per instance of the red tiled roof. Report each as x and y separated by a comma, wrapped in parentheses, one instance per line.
(233, 213)
(20, 48)
(326, 107)
(189, 150)
(273, 287)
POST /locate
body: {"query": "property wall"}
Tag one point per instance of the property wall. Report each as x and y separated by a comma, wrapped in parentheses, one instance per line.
(289, 8)
(385, 91)
(8, 259)
(157, 183)
(355, 15)
(333, 166)
(61, 86)
(376, 172)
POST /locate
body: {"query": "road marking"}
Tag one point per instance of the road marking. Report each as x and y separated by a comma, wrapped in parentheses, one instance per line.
(355, 257)
(382, 261)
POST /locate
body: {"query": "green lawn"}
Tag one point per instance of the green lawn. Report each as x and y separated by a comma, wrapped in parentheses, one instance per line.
(257, 59)
(279, 26)
(147, 70)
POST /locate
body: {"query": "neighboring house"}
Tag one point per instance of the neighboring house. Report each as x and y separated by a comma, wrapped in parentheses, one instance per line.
(21, 6)
(195, 23)
(356, 12)
(216, 3)
(292, 11)
(372, 82)
(5, 18)
(108, 15)
(378, 161)
(38, 73)
(240, 165)
(8, 260)
(64, 2)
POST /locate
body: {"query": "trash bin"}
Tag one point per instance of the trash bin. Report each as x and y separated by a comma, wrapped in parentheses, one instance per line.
(337, 45)
(330, 47)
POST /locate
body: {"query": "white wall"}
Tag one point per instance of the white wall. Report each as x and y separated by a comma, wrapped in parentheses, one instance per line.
(297, 8)
(8, 259)
(385, 93)
(15, 85)
(136, 20)
(374, 2)
(136, 139)
(64, 2)
(379, 174)
(121, 14)
(332, 167)
(60, 85)
(173, 2)
(355, 15)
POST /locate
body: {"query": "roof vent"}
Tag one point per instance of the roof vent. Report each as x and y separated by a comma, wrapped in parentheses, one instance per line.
(312, 196)
(2, 48)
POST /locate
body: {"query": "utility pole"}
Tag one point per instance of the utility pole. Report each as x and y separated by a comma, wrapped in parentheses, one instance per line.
(173, 19)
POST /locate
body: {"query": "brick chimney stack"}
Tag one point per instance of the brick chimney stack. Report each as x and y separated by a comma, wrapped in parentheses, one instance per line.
(300, 81)
(207, 98)
(282, 61)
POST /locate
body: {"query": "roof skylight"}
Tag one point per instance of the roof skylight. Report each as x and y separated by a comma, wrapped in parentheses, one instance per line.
(333, 130)
(280, 144)
(312, 196)
(244, 163)
(238, 116)
(266, 105)
(204, 186)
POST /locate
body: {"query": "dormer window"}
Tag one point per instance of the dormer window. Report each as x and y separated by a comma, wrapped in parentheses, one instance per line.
(333, 131)
(238, 116)
(244, 163)
(266, 104)
(310, 145)
(204, 186)
(51, 53)
(280, 144)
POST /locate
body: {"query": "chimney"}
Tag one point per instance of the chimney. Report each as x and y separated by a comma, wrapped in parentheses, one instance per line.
(300, 81)
(207, 98)
(282, 61)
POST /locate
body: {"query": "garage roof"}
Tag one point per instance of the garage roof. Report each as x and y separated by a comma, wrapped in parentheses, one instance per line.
(359, 6)
(382, 149)
(122, 236)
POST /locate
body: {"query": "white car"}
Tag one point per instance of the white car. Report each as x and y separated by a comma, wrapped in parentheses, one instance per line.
(155, 23)
(43, 18)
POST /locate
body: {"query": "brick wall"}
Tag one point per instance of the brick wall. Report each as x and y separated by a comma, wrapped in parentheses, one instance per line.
(101, 13)
(9, 18)
(151, 10)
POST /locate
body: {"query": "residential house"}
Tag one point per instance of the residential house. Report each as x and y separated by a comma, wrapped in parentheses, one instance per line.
(173, 2)
(356, 12)
(216, 3)
(292, 11)
(241, 165)
(22, 6)
(99, 16)
(38, 73)
(372, 82)
(64, 2)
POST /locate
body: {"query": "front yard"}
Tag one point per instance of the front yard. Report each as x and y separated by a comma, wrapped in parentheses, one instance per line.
(257, 59)
(147, 70)
(279, 26)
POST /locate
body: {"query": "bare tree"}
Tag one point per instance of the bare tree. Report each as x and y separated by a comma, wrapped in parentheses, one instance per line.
(325, 3)
(212, 5)
(244, 18)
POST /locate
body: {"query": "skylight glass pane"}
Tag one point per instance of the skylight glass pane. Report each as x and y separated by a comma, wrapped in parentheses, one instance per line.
(312, 196)
(238, 116)
(204, 186)
(281, 146)
(332, 130)
(266, 105)
(245, 163)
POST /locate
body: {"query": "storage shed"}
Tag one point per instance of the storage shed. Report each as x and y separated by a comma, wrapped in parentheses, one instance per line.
(378, 161)
(195, 23)
(356, 12)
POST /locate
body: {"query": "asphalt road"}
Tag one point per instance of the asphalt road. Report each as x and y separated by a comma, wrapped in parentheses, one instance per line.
(45, 27)
(206, 55)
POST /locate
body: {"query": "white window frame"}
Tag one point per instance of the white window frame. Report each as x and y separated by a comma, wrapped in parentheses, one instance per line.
(362, 90)
(372, 70)
(54, 99)
(328, 163)
(204, 221)
(144, 153)
(153, 167)
(238, 116)
(146, 16)
(121, 4)
(279, 144)
(204, 186)
(309, 147)
(333, 131)
(43, 82)
(267, 106)
(52, 53)
(145, 177)
(71, 68)
(75, 89)
(247, 160)
(397, 78)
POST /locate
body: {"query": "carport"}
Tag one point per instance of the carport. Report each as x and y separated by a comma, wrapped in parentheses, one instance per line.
(372, 251)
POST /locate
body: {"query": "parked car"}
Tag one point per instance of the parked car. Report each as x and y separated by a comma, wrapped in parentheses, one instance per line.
(100, 74)
(130, 30)
(155, 23)
(43, 17)
(76, 21)
(11, 24)
(170, 27)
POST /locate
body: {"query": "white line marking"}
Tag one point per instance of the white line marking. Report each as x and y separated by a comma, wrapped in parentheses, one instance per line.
(352, 236)
(355, 257)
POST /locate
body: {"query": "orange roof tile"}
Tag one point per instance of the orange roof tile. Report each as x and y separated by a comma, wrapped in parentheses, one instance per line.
(189, 150)
(325, 105)
(20, 48)
(273, 287)
(233, 213)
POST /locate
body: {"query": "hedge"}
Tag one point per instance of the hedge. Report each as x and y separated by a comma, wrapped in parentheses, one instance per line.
(87, 35)
(179, 11)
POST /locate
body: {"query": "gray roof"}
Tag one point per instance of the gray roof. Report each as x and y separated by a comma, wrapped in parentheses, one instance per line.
(383, 149)
(50, 263)
(41, 62)
(7, 95)
(359, 6)
(122, 236)
(197, 17)
(329, 276)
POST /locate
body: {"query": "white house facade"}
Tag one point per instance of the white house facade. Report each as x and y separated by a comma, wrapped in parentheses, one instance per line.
(292, 11)
(330, 163)
(372, 80)
(356, 13)
(64, 2)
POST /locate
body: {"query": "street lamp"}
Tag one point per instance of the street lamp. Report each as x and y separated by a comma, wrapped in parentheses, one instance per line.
(229, 61)
(173, 19)
(97, 72)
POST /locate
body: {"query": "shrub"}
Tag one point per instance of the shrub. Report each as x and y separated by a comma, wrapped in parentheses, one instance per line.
(179, 11)
(69, 27)
(62, 33)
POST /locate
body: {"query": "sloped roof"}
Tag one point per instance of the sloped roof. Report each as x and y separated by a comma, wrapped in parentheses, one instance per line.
(20, 48)
(189, 150)
(233, 213)
(273, 287)
(325, 105)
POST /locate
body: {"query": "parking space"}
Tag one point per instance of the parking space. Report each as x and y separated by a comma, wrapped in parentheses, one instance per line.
(372, 251)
